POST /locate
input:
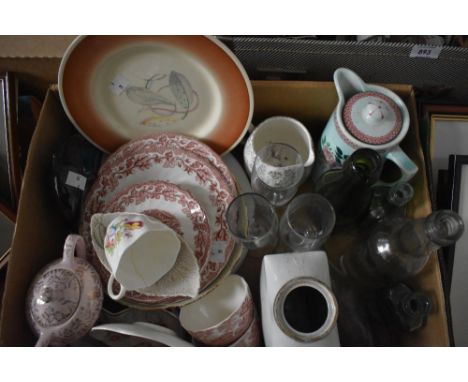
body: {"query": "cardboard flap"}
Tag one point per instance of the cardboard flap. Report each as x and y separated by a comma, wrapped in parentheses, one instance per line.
(34, 46)
(40, 229)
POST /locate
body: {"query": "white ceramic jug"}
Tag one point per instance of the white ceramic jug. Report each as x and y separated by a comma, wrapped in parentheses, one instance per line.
(366, 116)
(280, 129)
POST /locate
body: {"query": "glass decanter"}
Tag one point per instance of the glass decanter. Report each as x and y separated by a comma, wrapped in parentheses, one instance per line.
(387, 201)
(399, 248)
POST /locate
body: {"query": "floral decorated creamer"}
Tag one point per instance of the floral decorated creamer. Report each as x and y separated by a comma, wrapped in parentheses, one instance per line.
(137, 249)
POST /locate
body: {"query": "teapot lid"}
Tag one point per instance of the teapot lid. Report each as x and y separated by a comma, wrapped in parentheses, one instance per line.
(55, 297)
(373, 118)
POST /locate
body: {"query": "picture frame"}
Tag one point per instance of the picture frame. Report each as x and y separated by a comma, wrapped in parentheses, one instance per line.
(457, 261)
(430, 116)
(457, 164)
(436, 122)
(7, 227)
(4, 260)
(449, 134)
(10, 173)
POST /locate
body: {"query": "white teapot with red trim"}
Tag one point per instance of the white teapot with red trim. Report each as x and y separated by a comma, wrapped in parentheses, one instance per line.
(366, 116)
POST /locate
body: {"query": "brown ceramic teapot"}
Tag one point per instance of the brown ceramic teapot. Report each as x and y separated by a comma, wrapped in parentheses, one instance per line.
(65, 298)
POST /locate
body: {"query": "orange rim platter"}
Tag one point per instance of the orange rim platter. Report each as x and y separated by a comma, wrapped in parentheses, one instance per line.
(116, 88)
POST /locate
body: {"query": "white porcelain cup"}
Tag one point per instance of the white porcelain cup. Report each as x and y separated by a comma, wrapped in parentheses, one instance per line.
(139, 251)
(280, 129)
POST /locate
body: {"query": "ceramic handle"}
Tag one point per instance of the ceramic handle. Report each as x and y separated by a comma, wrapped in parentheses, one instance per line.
(74, 243)
(407, 166)
(44, 340)
(111, 293)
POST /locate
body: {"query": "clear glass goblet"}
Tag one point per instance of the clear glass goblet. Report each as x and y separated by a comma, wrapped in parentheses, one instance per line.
(307, 222)
(277, 172)
(252, 221)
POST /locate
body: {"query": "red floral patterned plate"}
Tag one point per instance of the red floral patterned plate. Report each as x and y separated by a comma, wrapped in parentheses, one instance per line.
(149, 142)
(173, 165)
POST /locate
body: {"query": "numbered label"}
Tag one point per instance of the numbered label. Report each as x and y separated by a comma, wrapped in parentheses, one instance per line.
(425, 51)
(217, 252)
(118, 84)
(76, 180)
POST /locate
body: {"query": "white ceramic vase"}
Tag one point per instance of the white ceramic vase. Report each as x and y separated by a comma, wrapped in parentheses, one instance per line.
(298, 306)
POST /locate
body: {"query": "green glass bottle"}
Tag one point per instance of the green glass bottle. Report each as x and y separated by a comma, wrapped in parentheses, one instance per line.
(349, 189)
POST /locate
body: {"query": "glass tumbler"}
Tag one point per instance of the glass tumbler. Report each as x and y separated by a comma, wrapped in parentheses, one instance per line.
(252, 221)
(277, 172)
(307, 222)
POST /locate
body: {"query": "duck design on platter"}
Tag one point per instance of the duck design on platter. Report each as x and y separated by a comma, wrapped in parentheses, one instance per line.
(164, 99)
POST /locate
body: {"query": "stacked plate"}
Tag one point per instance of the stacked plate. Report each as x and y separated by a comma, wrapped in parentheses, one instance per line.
(181, 182)
(165, 107)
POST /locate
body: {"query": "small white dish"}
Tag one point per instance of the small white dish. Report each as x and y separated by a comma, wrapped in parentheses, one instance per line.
(236, 169)
(117, 335)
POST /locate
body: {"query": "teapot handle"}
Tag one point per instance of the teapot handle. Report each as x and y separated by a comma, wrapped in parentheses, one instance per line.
(44, 339)
(74, 243)
(407, 167)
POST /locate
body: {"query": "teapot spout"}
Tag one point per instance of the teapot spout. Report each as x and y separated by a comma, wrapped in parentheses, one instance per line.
(347, 84)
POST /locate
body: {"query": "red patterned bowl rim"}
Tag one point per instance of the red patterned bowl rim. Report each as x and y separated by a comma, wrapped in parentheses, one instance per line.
(205, 152)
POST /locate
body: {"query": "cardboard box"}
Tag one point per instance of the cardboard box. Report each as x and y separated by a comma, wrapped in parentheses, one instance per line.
(34, 59)
(41, 230)
(312, 103)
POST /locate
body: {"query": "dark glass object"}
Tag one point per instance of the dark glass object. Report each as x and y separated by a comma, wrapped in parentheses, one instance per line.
(354, 326)
(407, 309)
(75, 164)
(378, 317)
(349, 189)
(399, 248)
